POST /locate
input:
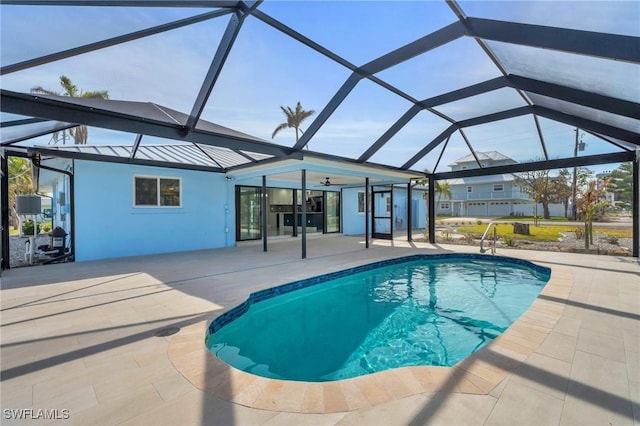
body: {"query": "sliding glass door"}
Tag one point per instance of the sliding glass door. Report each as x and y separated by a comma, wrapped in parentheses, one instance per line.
(332, 212)
(248, 213)
(284, 217)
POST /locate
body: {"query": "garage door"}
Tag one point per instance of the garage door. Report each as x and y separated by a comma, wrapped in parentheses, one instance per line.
(499, 208)
(476, 209)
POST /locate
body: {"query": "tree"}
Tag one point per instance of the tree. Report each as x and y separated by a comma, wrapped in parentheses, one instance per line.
(561, 188)
(294, 120)
(20, 182)
(79, 133)
(589, 199)
(537, 185)
(622, 184)
(562, 185)
(442, 188)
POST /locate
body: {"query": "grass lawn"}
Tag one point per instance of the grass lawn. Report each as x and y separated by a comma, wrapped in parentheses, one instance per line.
(531, 218)
(544, 232)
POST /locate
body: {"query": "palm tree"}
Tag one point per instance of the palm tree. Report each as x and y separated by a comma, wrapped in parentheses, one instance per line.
(20, 182)
(442, 188)
(294, 119)
(79, 133)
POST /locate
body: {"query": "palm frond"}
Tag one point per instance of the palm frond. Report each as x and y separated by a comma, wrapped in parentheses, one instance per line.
(41, 90)
(280, 127)
(100, 94)
(70, 89)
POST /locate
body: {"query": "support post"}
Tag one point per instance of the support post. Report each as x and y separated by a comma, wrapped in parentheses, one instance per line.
(263, 208)
(366, 212)
(295, 213)
(409, 213)
(4, 214)
(304, 213)
(635, 186)
(432, 210)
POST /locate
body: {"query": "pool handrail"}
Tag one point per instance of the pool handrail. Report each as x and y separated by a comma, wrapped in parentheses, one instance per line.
(484, 236)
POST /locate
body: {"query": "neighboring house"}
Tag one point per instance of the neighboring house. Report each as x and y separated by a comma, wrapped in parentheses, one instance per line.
(496, 195)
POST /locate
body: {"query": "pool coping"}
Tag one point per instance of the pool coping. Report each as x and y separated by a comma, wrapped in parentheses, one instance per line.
(480, 373)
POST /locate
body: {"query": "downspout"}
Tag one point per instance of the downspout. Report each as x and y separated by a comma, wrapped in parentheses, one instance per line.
(226, 211)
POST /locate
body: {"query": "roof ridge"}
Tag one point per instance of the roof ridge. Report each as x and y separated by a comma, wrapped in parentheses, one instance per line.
(166, 113)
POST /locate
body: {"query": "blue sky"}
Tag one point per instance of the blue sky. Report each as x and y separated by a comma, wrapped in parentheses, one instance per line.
(267, 69)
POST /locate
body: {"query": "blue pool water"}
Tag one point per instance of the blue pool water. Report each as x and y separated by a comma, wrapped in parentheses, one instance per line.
(419, 310)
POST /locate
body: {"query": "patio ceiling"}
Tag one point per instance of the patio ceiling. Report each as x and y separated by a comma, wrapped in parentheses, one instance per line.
(434, 82)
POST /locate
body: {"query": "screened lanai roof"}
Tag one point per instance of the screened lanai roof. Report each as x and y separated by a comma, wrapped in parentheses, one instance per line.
(407, 85)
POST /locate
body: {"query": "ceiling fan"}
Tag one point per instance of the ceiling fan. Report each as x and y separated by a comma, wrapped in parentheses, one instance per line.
(327, 182)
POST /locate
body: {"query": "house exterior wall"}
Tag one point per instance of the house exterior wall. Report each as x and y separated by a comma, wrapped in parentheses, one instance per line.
(483, 200)
(107, 224)
(353, 221)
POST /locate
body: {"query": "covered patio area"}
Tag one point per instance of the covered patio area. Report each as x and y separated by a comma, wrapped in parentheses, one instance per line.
(92, 340)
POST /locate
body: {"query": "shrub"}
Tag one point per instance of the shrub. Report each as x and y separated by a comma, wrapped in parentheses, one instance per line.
(612, 240)
(509, 241)
(45, 227)
(478, 222)
(579, 233)
(27, 227)
(446, 235)
(469, 238)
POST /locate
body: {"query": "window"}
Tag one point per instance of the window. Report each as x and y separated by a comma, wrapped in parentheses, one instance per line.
(498, 187)
(469, 188)
(157, 191)
(444, 206)
(361, 202)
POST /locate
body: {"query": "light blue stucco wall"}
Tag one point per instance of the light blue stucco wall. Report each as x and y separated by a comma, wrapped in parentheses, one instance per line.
(354, 222)
(108, 225)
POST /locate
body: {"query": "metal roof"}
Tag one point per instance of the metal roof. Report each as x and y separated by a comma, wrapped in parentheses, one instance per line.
(200, 155)
(540, 73)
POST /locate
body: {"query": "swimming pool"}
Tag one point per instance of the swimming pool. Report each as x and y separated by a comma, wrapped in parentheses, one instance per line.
(415, 310)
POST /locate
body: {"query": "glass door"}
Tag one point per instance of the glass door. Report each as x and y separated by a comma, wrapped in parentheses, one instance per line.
(332, 212)
(382, 214)
(248, 213)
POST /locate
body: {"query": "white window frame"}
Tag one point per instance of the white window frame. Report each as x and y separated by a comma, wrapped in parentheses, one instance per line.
(501, 185)
(157, 205)
(364, 200)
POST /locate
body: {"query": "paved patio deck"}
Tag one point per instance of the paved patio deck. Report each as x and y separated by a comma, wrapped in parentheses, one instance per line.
(79, 338)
